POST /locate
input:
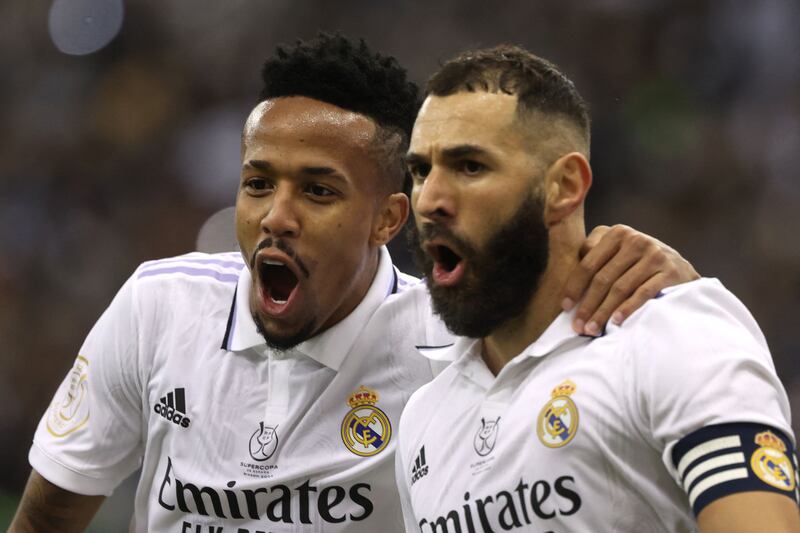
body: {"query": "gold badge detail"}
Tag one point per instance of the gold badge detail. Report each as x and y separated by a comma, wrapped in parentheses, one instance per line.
(70, 408)
(366, 429)
(558, 419)
(770, 462)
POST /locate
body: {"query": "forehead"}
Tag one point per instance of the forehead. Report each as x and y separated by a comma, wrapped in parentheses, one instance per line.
(480, 118)
(313, 123)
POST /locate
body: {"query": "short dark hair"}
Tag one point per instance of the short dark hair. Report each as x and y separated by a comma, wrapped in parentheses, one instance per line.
(537, 83)
(335, 69)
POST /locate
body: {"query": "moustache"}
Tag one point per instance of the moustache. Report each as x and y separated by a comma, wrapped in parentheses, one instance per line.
(284, 247)
(432, 230)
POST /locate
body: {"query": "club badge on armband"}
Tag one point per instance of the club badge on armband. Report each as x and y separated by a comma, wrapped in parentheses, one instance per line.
(558, 420)
(770, 462)
(366, 429)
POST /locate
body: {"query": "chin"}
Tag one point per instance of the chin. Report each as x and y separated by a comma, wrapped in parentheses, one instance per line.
(283, 341)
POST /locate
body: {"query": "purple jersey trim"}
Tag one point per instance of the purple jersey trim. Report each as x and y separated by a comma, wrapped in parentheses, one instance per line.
(199, 272)
(231, 264)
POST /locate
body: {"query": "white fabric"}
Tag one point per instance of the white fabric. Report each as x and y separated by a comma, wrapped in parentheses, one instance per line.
(159, 346)
(691, 358)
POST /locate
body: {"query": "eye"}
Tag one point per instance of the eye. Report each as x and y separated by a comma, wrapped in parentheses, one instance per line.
(419, 171)
(471, 167)
(256, 185)
(320, 191)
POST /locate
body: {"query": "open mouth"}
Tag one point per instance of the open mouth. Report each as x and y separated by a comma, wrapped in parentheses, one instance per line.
(278, 281)
(448, 266)
(445, 257)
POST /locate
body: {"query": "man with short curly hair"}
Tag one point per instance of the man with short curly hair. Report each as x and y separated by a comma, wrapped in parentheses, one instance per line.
(260, 390)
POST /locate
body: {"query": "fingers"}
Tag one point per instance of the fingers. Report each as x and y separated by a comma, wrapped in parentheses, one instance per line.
(619, 271)
(593, 239)
(632, 289)
(598, 249)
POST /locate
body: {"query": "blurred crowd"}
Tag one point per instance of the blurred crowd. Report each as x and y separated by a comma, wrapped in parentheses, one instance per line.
(115, 157)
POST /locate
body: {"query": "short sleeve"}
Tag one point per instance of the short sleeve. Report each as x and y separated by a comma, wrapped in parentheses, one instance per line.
(700, 366)
(90, 437)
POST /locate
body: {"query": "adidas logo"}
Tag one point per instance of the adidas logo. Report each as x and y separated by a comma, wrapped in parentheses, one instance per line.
(420, 468)
(173, 408)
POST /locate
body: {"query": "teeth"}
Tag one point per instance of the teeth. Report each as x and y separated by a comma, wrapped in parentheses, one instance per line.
(277, 301)
(272, 262)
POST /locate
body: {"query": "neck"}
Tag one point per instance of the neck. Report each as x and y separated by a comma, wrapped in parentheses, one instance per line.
(511, 338)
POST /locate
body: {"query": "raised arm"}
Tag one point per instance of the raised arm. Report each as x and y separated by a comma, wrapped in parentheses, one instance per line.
(47, 508)
(620, 270)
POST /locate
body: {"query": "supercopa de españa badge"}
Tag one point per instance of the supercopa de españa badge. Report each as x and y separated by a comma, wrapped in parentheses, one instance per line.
(70, 409)
(770, 463)
(366, 429)
(558, 420)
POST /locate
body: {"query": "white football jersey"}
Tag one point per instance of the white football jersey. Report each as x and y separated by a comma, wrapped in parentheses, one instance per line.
(230, 435)
(636, 430)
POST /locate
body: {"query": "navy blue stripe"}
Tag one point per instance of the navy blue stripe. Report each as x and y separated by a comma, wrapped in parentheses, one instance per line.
(226, 339)
(747, 432)
(423, 347)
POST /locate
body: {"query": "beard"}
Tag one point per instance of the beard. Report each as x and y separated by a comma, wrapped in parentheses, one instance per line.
(283, 344)
(499, 280)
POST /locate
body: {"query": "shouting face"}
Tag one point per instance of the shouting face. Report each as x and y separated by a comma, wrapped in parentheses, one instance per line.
(308, 215)
(480, 232)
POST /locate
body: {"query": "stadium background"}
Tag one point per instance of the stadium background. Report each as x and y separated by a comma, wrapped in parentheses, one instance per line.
(120, 124)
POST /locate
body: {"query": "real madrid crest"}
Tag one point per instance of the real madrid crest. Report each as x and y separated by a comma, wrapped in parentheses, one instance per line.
(558, 419)
(770, 462)
(366, 429)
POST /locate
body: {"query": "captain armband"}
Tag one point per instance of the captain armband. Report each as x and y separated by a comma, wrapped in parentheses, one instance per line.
(724, 459)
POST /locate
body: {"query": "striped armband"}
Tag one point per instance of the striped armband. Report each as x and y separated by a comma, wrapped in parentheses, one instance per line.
(716, 461)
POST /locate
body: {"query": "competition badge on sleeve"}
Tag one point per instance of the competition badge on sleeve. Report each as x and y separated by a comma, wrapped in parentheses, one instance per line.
(366, 429)
(70, 408)
(770, 462)
(558, 419)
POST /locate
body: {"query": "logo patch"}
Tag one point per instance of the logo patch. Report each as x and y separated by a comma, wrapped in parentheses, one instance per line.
(173, 407)
(263, 442)
(558, 419)
(366, 429)
(770, 462)
(420, 467)
(486, 437)
(70, 408)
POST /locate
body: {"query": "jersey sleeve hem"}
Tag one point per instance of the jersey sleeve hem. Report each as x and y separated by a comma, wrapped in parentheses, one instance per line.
(67, 478)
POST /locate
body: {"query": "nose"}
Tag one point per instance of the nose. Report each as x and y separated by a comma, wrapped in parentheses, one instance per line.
(435, 197)
(281, 218)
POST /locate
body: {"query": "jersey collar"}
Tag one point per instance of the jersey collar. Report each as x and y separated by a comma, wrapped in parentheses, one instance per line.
(329, 347)
(557, 334)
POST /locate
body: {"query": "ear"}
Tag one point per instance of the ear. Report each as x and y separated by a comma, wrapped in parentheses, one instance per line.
(390, 218)
(566, 183)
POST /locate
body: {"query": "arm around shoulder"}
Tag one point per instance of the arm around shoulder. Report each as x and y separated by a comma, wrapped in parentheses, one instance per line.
(46, 507)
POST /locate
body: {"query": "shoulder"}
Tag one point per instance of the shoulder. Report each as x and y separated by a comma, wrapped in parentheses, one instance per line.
(409, 313)
(695, 313)
(184, 283)
(221, 268)
(425, 400)
(696, 357)
(189, 272)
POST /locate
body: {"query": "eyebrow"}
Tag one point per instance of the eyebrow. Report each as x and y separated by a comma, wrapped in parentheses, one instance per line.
(266, 166)
(257, 164)
(455, 152)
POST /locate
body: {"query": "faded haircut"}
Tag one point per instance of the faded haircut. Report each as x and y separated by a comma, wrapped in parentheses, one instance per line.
(537, 83)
